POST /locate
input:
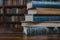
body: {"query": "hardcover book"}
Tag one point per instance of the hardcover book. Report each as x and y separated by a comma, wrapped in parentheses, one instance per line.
(43, 4)
(44, 11)
(40, 28)
(41, 18)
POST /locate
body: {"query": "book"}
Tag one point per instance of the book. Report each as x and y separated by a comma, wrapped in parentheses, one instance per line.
(14, 2)
(8, 10)
(47, 24)
(25, 2)
(17, 11)
(24, 11)
(44, 11)
(14, 18)
(1, 11)
(17, 2)
(6, 2)
(1, 19)
(1, 2)
(21, 2)
(20, 11)
(43, 4)
(39, 30)
(13, 10)
(10, 2)
(32, 18)
(20, 18)
(7, 19)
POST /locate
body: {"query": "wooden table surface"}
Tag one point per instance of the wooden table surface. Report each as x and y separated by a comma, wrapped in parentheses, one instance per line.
(25, 37)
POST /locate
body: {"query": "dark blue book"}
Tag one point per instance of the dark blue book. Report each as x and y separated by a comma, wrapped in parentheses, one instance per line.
(14, 10)
(45, 18)
(1, 2)
(43, 4)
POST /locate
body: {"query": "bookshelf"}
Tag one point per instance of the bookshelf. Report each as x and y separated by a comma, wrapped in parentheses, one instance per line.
(12, 13)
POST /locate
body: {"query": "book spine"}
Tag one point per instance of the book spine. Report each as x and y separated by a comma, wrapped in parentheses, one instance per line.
(14, 2)
(1, 10)
(17, 11)
(1, 2)
(28, 17)
(46, 18)
(47, 11)
(20, 18)
(14, 10)
(35, 30)
(24, 11)
(10, 2)
(42, 18)
(40, 30)
(12, 18)
(44, 4)
(6, 2)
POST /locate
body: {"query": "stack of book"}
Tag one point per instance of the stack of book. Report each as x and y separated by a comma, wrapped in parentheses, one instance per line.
(42, 17)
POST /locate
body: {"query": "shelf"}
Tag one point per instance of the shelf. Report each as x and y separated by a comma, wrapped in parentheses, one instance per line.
(10, 22)
(13, 14)
(15, 6)
(1, 14)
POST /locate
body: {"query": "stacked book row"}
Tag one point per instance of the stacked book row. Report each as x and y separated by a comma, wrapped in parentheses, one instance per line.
(14, 18)
(14, 2)
(15, 10)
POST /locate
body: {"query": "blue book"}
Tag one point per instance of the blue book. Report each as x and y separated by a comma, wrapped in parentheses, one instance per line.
(35, 30)
(1, 2)
(43, 4)
(45, 18)
(32, 30)
(14, 10)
